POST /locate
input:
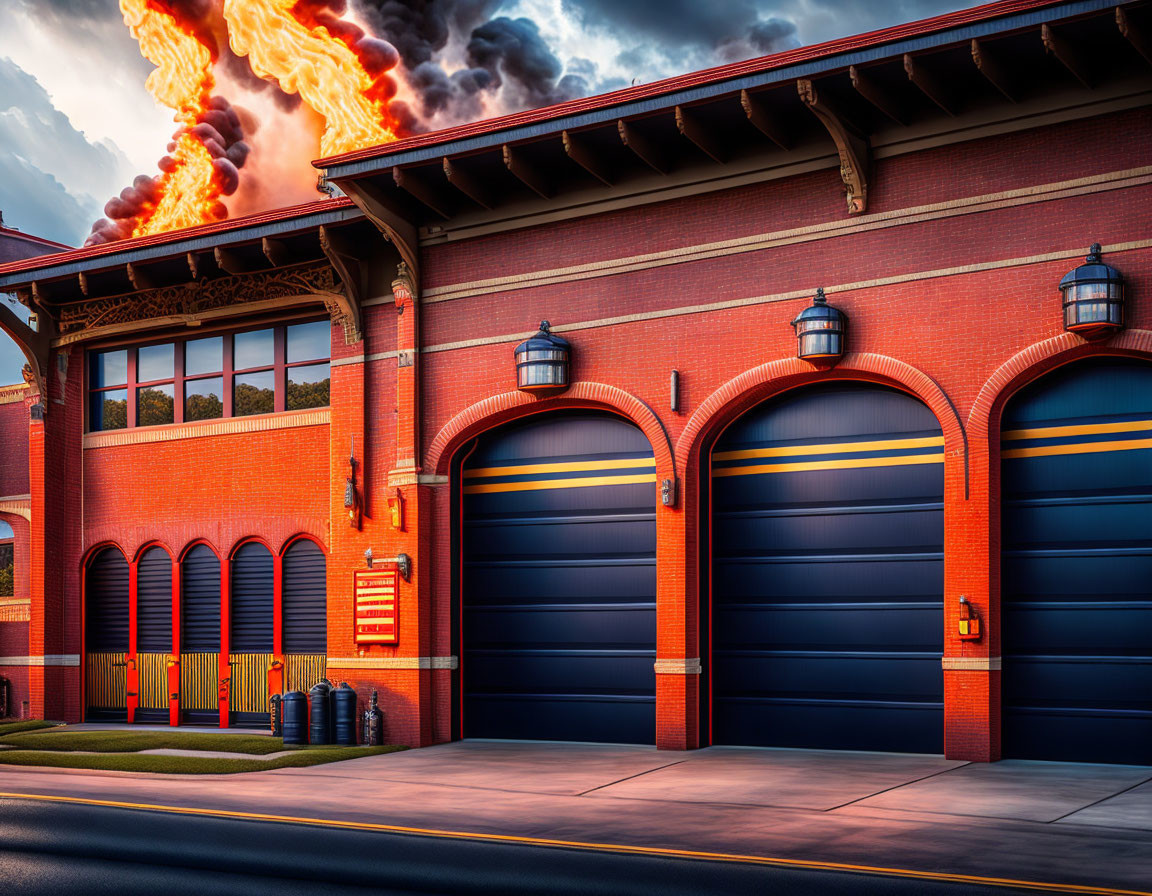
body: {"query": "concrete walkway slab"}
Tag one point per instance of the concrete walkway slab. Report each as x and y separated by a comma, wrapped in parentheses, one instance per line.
(521, 766)
(802, 779)
(1013, 788)
(542, 794)
(1131, 809)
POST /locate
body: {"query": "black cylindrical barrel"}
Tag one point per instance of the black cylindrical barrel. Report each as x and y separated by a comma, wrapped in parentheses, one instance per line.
(344, 715)
(373, 724)
(295, 706)
(275, 713)
(320, 722)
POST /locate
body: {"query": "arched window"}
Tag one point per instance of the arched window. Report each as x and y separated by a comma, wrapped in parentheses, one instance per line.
(305, 584)
(252, 597)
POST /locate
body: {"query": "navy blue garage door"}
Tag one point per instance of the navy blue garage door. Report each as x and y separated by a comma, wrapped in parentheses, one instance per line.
(559, 582)
(827, 584)
(1076, 578)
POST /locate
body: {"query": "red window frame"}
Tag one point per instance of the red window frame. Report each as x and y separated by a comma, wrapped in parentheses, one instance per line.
(227, 374)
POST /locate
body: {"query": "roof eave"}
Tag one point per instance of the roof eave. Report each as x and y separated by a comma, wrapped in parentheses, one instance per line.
(715, 82)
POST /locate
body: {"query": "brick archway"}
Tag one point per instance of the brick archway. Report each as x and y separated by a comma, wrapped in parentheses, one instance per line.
(1037, 360)
(500, 409)
(743, 392)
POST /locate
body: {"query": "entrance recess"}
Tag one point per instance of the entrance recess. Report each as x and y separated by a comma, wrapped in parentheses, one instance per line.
(827, 578)
(1076, 575)
(558, 621)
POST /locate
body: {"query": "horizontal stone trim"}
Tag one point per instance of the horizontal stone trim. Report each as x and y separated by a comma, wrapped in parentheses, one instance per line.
(351, 359)
(690, 666)
(971, 663)
(392, 662)
(431, 479)
(54, 659)
(13, 394)
(15, 601)
(17, 505)
(205, 428)
(1112, 180)
(979, 267)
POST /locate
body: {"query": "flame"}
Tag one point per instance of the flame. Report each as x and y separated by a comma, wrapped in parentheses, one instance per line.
(311, 62)
(188, 193)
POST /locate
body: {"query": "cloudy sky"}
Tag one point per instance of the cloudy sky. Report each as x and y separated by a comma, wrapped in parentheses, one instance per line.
(77, 124)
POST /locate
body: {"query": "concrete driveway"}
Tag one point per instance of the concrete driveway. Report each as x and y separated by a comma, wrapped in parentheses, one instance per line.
(1071, 824)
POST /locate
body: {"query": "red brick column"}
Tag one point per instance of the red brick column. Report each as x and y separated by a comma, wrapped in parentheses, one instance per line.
(54, 465)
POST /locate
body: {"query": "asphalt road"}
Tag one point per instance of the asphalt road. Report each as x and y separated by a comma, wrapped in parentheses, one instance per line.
(59, 849)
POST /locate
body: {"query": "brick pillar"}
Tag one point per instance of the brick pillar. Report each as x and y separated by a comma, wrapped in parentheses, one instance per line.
(971, 568)
(677, 649)
(55, 448)
(416, 500)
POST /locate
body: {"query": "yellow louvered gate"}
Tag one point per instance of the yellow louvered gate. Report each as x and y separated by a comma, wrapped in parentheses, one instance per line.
(249, 690)
(301, 671)
(199, 681)
(106, 680)
(153, 668)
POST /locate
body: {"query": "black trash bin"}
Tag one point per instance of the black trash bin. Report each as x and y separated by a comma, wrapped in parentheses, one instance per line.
(344, 714)
(320, 721)
(295, 707)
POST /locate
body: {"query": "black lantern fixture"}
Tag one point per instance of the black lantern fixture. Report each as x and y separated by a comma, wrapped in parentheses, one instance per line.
(542, 362)
(820, 331)
(1093, 297)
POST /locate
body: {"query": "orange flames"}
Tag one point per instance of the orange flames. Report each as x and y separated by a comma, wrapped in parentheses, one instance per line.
(188, 193)
(322, 68)
(306, 46)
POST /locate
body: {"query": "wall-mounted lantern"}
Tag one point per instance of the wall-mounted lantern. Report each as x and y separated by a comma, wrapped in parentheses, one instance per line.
(542, 362)
(1093, 296)
(820, 331)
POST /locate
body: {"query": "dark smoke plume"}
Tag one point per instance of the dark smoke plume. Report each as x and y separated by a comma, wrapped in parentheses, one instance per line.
(507, 66)
(219, 130)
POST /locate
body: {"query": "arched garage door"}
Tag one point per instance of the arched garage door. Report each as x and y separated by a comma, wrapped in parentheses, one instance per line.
(106, 636)
(827, 585)
(558, 619)
(1076, 577)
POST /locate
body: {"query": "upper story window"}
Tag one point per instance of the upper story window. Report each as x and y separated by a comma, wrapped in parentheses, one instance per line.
(280, 368)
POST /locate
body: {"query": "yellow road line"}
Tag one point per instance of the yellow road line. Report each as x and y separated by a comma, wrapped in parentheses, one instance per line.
(1086, 429)
(830, 448)
(562, 467)
(844, 464)
(601, 847)
(1078, 448)
(540, 484)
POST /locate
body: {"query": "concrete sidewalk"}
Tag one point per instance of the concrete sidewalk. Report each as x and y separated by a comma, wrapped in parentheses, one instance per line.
(1063, 824)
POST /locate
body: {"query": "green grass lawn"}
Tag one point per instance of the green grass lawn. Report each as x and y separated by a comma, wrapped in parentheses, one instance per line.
(127, 741)
(29, 725)
(189, 765)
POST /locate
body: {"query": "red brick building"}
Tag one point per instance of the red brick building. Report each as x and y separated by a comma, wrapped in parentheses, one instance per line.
(696, 536)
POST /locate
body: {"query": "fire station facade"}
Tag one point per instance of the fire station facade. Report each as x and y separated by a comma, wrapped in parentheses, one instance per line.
(704, 505)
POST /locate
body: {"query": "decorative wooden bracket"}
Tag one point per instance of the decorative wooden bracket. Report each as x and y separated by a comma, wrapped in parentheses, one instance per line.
(1068, 53)
(344, 308)
(583, 155)
(388, 219)
(35, 344)
(1135, 33)
(850, 144)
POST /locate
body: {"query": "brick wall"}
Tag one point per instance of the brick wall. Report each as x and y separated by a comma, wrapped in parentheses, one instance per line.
(945, 281)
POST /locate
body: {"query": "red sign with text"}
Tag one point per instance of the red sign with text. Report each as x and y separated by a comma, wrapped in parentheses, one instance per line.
(375, 592)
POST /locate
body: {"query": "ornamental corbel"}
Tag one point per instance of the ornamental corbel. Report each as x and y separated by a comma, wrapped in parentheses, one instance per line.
(851, 145)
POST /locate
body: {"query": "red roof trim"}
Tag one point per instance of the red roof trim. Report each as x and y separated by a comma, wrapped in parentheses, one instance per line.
(32, 238)
(172, 236)
(695, 79)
